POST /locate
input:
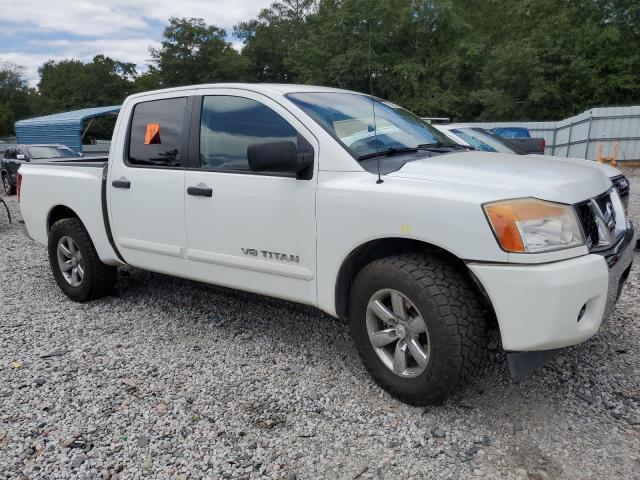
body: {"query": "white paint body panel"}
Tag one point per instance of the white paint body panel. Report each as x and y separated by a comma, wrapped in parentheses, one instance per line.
(78, 188)
(608, 170)
(260, 212)
(438, 200)
(537, 306)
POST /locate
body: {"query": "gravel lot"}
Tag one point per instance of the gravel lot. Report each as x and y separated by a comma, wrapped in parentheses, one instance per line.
(176, 379)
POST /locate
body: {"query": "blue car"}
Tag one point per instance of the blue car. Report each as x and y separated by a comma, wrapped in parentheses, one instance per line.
(512, 132)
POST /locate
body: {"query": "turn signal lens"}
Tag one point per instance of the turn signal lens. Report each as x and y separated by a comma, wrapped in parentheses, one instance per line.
(533, 226)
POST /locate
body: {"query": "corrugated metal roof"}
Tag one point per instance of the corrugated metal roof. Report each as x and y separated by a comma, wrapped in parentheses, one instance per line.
(63, 128)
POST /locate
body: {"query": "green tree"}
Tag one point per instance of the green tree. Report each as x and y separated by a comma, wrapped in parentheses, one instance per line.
(269, 38)
(15, 96)
(71, 84)
(194, 52)
(475, 59)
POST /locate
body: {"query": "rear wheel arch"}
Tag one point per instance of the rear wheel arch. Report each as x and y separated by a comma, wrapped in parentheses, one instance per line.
(381, 248)
(60, 212)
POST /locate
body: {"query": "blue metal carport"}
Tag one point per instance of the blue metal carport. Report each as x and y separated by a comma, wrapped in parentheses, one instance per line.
(60, 128)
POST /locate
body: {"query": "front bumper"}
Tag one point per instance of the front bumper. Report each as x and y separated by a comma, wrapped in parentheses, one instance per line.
(540, 307)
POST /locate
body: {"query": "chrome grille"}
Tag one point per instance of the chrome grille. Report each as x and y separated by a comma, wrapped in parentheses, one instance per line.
(598, 217)
(588, 222)
(623, 187)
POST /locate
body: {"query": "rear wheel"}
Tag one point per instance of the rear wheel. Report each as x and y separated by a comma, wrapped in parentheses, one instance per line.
(419, 326)
(6, 185)
(75, 263)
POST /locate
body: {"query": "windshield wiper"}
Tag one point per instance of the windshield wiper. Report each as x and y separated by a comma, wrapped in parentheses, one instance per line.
(438, 146)
(388, 152)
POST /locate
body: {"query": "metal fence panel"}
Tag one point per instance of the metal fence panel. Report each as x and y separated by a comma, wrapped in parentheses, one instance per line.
(579, 136)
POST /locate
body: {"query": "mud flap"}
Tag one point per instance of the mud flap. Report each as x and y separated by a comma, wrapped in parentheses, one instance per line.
(523, 363)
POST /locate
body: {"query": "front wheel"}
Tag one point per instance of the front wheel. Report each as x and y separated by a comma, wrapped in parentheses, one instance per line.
(75, 263)
(419, 326)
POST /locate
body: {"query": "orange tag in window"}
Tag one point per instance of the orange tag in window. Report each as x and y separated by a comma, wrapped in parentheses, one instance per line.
(153, 133)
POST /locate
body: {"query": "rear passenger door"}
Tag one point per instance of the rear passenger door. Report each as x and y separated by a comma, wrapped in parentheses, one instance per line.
(256, 231)
(146, 186)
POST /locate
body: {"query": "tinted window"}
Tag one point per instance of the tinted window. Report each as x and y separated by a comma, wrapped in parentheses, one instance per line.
(482, 140)
(156, 132)
(367, 125)
(230, 124)
(10, 154)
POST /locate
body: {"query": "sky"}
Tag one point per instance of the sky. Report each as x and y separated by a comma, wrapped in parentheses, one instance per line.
(35, 31)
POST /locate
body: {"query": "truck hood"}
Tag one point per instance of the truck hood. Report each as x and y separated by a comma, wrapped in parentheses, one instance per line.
(608, 170)
(512, 176)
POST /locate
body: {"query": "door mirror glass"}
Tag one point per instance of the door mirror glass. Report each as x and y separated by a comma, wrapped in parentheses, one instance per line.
(281, 156)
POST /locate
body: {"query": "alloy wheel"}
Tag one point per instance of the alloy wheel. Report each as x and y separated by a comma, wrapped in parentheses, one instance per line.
(70, 261)
(398, 333)
(6, 185)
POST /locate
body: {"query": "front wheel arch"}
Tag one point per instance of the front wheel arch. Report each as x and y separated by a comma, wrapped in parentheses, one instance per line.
(381, 248)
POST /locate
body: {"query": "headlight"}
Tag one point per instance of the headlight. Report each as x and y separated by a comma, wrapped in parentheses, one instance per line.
(532, 226)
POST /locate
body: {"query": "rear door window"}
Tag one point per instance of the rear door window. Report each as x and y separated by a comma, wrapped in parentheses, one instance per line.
(156, 136)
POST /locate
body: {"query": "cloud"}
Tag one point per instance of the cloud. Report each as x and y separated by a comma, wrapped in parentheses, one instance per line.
(30, 62)
(98, 18)
(134, 50)
(80, 17)
(35, 31)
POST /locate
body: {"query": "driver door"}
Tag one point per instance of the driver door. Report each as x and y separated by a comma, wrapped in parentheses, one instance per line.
(249, 230)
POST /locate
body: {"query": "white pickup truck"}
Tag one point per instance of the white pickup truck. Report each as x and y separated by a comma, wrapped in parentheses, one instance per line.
(349, 203)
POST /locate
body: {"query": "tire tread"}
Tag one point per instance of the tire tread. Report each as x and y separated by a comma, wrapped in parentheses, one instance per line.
(460, 311)
(101, 278)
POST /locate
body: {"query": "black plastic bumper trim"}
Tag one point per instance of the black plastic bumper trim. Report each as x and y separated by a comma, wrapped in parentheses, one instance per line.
(523, 363)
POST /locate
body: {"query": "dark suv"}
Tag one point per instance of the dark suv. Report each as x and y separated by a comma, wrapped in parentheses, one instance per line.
(16, 155)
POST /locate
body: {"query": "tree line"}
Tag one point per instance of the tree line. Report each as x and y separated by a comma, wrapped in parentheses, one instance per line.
(465, 59)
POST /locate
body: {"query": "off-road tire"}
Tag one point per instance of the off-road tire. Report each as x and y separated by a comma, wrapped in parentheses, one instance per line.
(453, 311)
(98, 280)
(6, 185)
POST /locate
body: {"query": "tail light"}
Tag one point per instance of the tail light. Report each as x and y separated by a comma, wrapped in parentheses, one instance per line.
(543, 144)
(18, 186)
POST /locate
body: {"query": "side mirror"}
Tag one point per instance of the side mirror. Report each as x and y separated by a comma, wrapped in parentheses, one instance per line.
(21, 156)
(282, 156)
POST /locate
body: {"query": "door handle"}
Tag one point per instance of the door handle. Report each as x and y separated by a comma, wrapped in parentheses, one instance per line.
(121, 184)
(200, 191)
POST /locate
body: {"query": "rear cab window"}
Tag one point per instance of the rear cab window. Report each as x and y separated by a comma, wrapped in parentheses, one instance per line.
(156, 134)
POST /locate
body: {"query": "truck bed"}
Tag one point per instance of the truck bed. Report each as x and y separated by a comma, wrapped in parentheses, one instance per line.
(77, 184)
(96, 162)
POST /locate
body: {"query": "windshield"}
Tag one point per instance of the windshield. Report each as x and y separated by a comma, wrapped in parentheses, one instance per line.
(349, 117)
(50, 151)
(482, 140)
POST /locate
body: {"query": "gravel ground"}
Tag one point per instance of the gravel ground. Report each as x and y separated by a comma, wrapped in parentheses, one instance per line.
(176, 379)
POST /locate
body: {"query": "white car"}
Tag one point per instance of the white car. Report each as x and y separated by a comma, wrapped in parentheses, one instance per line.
(339, 200)
(478, 138)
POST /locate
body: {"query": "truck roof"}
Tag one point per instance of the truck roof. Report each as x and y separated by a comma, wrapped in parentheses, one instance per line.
(266, 88)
